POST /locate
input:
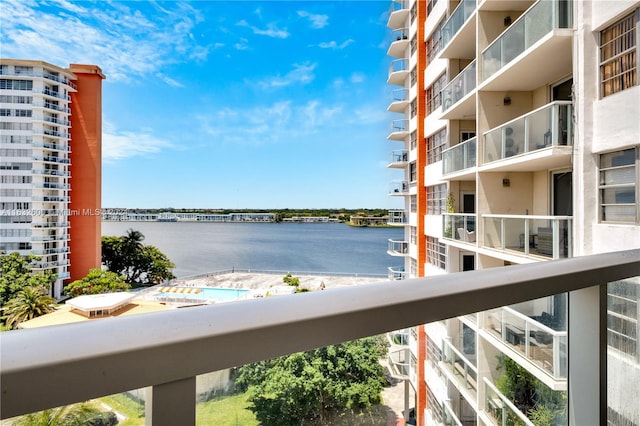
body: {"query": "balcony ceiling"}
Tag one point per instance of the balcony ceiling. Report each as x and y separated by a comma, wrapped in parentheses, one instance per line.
(463, 44)
(398, 106)
(548, 60)
(397, 77)
(397, 19)
(505, 5)
(543, 159)
(398, 48)
(464, 109)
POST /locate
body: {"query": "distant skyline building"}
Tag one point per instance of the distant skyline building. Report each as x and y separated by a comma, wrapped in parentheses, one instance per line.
(517, 140)
(50, 169)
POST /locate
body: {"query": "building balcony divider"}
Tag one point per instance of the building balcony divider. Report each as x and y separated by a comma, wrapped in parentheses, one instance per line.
(547, 126)
(459, 157)
(500, 409)
(140, 351)
(398, 71)
(396, 273)
(544, 346)
(548, 237)
(399, 188)
(459, 368)
(459, 227)
(457, 19)
(459, 87)
(398, 248)
(539, 20)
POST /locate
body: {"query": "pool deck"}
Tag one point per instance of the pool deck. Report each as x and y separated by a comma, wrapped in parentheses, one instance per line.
(254, 281)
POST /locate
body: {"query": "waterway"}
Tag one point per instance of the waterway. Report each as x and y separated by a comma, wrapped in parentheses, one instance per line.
(201, 247)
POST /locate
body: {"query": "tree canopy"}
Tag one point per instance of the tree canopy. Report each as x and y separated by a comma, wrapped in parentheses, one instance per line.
(28, 303)
(313, 385)
(97, 281)
(140, 264)
(16, 274)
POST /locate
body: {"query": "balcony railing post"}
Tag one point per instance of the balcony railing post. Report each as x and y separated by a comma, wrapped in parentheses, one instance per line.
(172, 403)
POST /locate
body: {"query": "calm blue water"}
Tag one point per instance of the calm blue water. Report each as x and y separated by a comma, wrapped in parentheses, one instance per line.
(197, 248)
(206, 293)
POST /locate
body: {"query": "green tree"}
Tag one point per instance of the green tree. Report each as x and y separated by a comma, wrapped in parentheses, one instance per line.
(97, 281)
(140, 264)
(68, 415)
(28, 303)
(310, 386)
(16, 274)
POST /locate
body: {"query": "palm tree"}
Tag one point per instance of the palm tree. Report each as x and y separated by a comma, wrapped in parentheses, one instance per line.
(68, 415)
(132, 242)
(28, 303)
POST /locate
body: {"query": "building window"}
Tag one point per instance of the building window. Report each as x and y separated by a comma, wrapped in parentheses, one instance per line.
(413, 238)
(435, 145)
(622, 316)
(414, 139)
(619, 186)
(430, 5)
(414, 108)
(436, 253)
(413, 200)
(434, 43)
(437, 199)
(413, 268)
(414, 12)
(434, 99)
(413, 172)
(414, 76)
(619, 55)
(16, 84)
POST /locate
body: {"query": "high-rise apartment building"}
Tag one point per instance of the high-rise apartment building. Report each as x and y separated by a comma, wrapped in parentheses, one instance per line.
(50, 165)
(517, 130)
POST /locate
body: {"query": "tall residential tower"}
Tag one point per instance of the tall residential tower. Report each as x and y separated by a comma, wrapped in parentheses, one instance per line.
(517, 132)
(50, 169)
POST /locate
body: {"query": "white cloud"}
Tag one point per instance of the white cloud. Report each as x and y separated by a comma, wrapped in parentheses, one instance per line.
(170, 81)
(317, 21)
(357, 77)
(301, 74)
(270, 31)
(126, 43)
(334, 44)
(118, 145)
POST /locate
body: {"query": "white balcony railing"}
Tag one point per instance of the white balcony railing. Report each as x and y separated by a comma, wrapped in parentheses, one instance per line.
(397, 218)
(398, 71)
(542, 18)
(103, 357)
(396, 273)
(398, 248)
(459, 157)
(500, 409)
(459, 368)
(399, 188)
(542, 236)
(459, 227)
(550, 125)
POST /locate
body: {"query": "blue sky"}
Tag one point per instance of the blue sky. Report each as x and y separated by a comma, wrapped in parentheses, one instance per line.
(228, 104)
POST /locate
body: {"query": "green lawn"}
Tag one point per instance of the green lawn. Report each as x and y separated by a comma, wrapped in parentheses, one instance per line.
(122, 404)
(228, 410)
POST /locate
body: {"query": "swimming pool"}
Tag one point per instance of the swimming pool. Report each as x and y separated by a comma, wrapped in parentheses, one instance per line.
(217, 294)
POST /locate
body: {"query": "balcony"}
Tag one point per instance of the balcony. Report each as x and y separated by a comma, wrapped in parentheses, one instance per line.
(398, 248)
(520, 55)
(51, 146)
(459, 227)
(400, 100)
(500, 410)
(50, 225)
(459, 369)
(544, 346)
(399, 159)
(397, 273)
(51, 159)
(541, 237)
(398, 72)
(400, 43)
(49, 105)
(459, 158)
(50, 198)
(399, 188)
(50, 185)
(55, 94)
(50, 172)
(456, 104)
(464, 35)
(545, 135)
(57, 121)
(397, 218)
(398, 13)
(399, 130)
(103, 357)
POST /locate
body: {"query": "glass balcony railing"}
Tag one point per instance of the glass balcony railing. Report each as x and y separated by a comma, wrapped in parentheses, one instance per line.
(398, 248)
(397, 217)
(547, 126)
(398, 71)
(51, 146)
(540, 19)
(50, 225)
(398, 361)
(459, 368)
(50, 172)
(55, 94)
(296, 323)
(544, 346)
(461, 85)
(398, 337)
(541, 236)
(449, 416)
(459, 157)
(398, 13)
(399, 100)
(457, 19)
(49, 105)
(399, 188)
(51, 159)
(399, 42)
(501, 409)
(399, 157)
(396, 273)
(459, 227)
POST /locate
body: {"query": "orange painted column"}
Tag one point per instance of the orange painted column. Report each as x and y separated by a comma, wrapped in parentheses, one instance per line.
(86, 171)
(421, 162)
